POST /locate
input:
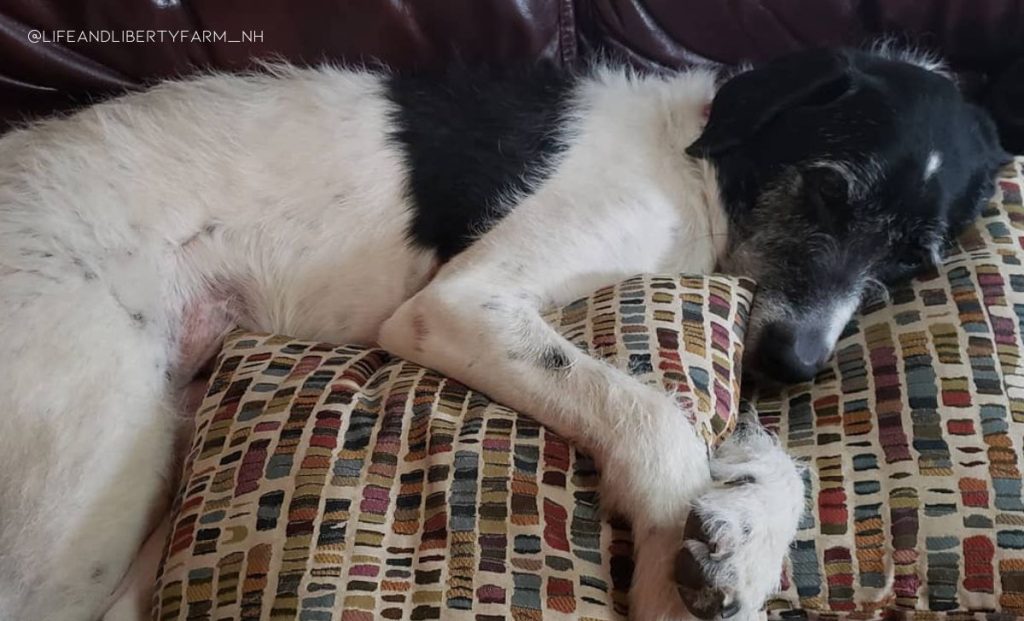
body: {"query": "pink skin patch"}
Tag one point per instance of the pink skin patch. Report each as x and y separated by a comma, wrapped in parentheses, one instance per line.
(204, 323)
(435, 267)
(419, 331)
(203, 326)
(419, 322)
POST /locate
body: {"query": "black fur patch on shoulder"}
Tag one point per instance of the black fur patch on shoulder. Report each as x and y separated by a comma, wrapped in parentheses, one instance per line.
(471, 138)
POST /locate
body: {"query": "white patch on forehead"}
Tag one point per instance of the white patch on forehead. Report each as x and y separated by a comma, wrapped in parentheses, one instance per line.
(933, 165)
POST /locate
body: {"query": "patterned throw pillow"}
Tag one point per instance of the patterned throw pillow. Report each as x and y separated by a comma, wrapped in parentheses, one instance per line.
(914, 437)
(329, 482)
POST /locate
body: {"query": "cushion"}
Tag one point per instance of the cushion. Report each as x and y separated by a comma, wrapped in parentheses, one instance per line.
(914, 436)
(338, 482)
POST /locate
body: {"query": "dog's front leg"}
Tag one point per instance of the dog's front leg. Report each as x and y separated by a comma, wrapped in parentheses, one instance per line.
(653, 462)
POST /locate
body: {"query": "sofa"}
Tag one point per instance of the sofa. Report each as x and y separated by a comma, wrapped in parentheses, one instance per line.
(330, 481)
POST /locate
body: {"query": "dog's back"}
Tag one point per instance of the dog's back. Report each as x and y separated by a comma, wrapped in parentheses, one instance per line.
(117, 226)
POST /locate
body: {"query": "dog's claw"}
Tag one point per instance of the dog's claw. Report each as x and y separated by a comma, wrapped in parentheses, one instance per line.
(700, 598)
(731, 609)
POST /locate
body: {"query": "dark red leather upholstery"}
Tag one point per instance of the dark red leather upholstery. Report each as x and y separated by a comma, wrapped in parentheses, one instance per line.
(972, 35)
(980, 37)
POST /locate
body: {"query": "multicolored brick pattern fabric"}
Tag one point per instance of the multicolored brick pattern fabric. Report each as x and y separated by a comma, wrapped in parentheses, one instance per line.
(914, 437)
(339, 483)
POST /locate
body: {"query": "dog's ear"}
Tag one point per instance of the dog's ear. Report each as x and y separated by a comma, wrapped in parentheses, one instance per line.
(747, 102)
(985, 156)
(987, 136)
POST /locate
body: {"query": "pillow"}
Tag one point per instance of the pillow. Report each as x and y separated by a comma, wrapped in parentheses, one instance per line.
(915, 437)
(338, 482)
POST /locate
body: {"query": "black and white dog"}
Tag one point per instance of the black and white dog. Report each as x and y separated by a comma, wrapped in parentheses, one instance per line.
(438, 218)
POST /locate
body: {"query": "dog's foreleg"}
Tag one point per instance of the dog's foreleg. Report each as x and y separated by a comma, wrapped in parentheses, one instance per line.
(653, 462)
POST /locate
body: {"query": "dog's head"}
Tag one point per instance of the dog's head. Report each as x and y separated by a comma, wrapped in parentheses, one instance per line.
(840, 170)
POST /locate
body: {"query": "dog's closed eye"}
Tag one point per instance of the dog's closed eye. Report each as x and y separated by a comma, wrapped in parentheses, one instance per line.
(906, 261)
(826, 190)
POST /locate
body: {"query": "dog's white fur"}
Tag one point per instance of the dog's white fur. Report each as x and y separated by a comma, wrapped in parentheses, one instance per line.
(134, 233)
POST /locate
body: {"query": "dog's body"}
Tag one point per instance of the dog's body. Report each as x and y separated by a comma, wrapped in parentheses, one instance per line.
(313, 203)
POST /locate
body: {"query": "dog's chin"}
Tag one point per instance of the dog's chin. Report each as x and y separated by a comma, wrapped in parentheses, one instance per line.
(757, 382)
(755, 378)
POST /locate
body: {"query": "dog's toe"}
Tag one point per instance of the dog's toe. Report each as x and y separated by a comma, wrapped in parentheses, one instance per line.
(698, 577)
(736, 537)
(699, 596)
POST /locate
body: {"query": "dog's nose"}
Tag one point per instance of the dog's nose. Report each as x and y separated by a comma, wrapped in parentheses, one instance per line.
(792, 353)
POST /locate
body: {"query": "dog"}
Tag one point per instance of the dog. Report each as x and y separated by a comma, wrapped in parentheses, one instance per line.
(437, 217)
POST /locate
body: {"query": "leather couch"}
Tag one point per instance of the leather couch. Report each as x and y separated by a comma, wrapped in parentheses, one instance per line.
(980, 38)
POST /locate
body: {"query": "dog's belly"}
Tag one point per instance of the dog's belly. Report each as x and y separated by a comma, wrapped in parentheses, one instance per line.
(346, 305)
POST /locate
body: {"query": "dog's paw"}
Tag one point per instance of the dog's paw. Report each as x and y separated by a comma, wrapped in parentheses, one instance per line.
(739, 531)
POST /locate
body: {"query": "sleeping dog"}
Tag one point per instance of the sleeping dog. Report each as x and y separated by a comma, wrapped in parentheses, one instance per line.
(438, 217)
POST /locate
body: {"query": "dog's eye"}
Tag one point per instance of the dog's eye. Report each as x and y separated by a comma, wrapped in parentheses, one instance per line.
(833, 193)
(902, 265)
(825, 193)
(916, 257)
(897, 272)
